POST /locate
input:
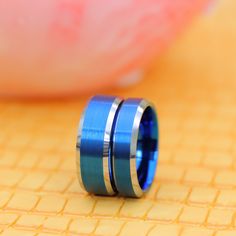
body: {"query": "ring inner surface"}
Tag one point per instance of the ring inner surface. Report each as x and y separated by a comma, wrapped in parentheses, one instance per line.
(147, 148)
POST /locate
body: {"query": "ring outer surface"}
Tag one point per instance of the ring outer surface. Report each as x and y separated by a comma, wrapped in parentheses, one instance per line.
(125, 146)
(94, 145)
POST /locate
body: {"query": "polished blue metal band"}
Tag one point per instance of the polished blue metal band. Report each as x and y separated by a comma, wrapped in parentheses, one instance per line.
(94, 145)
(117, 146)
(135, 147)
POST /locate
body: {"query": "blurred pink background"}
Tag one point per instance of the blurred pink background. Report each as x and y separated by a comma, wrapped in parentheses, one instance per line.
(60, 47)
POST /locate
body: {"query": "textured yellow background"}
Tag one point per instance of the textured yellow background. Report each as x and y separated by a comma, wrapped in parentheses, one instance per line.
(194, 88)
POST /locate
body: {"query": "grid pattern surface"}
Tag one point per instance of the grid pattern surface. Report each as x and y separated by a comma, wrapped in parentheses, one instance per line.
(194, 192)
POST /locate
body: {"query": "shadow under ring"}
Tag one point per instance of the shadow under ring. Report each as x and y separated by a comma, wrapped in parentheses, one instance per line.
(135, 147)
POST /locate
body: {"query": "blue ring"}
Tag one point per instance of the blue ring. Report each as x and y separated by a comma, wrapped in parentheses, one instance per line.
(117, 146)
(135, 147)
(94, 145)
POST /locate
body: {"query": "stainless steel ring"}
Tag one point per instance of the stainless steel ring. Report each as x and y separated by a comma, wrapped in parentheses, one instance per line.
(94, 145)
(135, 147)
(117, 146)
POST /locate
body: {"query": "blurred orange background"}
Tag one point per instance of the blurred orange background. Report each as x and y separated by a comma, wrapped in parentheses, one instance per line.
(193, 87)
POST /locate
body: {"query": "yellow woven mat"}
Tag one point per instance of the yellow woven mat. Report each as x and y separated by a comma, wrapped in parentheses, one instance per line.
(194, 89)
